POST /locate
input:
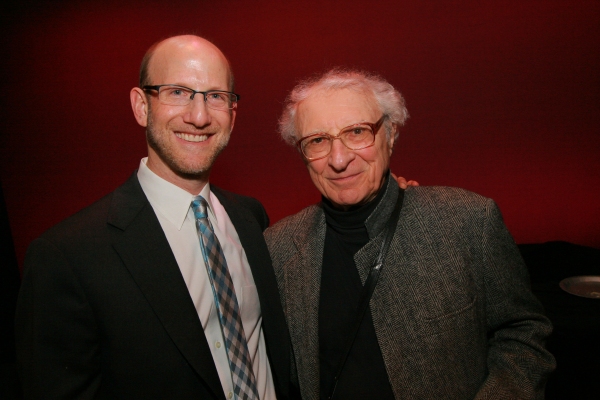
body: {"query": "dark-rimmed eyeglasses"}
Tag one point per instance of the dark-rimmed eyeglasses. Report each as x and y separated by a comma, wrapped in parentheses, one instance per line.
(355, 137)
(176, 95)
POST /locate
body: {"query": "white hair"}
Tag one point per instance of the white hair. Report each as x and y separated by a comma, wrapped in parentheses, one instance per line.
(390, 101)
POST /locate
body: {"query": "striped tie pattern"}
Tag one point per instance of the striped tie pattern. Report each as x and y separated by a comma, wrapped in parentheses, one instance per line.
(244, 382)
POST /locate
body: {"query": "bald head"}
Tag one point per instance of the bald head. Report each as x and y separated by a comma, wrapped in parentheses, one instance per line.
(181, 46)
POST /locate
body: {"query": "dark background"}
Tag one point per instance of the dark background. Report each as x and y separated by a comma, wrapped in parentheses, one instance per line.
(504, 98)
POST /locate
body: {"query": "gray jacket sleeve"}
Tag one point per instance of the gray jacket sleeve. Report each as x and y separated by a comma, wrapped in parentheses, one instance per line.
(518, 362)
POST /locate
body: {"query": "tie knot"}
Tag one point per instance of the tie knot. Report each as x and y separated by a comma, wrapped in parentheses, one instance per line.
(199, 205)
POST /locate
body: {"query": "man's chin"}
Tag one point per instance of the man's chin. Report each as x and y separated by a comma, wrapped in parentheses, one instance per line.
(190, 172)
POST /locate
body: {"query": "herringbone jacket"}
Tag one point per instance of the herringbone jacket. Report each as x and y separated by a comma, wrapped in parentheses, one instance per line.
(452, 310)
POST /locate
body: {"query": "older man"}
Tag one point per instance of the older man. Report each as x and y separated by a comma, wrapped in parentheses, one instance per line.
(447, 309)
(164, 288)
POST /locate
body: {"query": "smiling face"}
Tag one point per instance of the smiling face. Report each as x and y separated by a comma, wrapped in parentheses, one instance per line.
(184, 141)
(345, 177)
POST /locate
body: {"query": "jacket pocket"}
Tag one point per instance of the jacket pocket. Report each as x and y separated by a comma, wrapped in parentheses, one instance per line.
(460, 319)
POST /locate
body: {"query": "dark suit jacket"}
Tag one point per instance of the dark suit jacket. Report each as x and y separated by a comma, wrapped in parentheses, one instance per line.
(104, 311)
(452, 310)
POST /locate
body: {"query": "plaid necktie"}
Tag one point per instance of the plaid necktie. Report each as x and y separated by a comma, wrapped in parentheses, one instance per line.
(244, 382)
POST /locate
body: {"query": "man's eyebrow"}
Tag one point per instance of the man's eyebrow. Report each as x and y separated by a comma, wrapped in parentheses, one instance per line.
(316, 131)
(341, 129)
(211, 89)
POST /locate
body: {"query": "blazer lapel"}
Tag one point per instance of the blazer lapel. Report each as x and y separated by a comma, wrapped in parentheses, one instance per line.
(392, 323)
(376, 225)
(273, 320)
(303, 283)
(140, 241)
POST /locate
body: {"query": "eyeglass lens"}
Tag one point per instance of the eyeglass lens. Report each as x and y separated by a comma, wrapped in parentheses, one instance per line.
(181, 96)
(354, 137)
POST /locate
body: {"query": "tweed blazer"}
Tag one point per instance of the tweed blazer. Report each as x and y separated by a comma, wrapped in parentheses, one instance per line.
(452, 311)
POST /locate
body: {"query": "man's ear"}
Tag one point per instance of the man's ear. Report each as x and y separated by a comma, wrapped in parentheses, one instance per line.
(392, 138)
(233, 114)
(139, 104)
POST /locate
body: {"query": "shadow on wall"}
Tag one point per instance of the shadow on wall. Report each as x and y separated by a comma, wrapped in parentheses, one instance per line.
(9, 288)
(576, 320)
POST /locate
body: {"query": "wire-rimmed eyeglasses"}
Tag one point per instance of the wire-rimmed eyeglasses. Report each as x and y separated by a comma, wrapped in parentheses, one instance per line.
(176, 95)
(355, 137)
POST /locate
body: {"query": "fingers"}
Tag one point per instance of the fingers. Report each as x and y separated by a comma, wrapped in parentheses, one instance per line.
(403, 183)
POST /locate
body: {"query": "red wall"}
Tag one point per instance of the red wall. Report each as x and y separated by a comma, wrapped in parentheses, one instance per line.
(504, 98)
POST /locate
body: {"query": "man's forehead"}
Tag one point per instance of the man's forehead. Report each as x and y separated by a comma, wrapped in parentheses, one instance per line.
(336, 107)
(345, 96)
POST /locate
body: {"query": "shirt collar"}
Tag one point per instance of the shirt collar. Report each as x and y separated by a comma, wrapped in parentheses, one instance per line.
(170, 200)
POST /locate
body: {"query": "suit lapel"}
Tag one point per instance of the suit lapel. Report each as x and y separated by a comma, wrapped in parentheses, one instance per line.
(140, 241)
(391, 323)
(376, 225)
(303, 281)
(273, 320)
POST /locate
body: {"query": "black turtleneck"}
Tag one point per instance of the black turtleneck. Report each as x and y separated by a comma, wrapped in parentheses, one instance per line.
(364, 375)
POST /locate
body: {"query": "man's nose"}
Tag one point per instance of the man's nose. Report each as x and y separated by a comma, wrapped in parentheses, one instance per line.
(197, 112)
(340, 156)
